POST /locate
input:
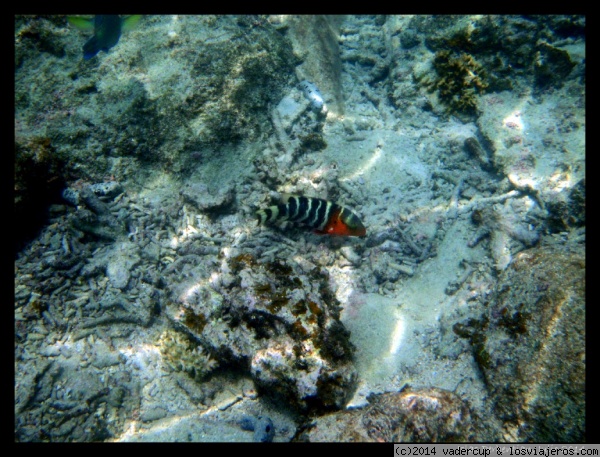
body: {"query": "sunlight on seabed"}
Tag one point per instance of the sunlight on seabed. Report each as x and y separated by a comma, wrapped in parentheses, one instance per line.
(132, 427)
(397, 335)
(514, 121)
(140, 353)
(375, 157)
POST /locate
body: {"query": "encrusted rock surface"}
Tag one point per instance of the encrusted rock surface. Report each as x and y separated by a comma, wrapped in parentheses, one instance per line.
(531, 345)
(412, 415)
(280, 321)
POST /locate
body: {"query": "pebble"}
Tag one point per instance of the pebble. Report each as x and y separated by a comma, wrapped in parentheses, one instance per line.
(50, 351)
(350, 255)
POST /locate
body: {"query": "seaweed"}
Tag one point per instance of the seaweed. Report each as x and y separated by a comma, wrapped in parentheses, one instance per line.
(242, 261)
(195, 322)
(460, 79)
(473, 330)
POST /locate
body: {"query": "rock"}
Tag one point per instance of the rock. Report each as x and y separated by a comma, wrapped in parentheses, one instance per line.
(350, 254)
(72, 196)
(107, 189)
(118, 273)
(280, 322)
(315, 38)
(531, 346)
(104, 356)
(200, 196)
(566, 209)
(552, 66)
(152, 414)
(121, 263)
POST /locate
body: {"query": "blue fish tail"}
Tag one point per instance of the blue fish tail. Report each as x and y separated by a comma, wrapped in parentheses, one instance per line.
(90, 48)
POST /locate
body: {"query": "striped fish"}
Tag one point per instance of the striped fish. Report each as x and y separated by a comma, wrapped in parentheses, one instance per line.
(325, 218)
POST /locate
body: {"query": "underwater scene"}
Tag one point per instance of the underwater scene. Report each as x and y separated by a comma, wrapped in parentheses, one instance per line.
(275, 228)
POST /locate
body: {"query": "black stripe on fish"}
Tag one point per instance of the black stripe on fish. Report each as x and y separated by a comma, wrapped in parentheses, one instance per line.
(311, 212)
(304, 205)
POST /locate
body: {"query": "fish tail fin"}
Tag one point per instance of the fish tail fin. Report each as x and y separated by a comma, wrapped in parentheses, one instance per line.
(90, 48)
(82, 23)
(130, 22)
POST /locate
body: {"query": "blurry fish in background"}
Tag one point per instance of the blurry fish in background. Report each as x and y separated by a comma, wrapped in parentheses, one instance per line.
(317, 103)
(107, 31)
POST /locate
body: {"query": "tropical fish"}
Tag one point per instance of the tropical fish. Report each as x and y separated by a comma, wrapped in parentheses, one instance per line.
(107, 31)
(325, 218)
(313, 95)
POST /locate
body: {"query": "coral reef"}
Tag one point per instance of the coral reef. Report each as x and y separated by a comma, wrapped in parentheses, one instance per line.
(151, 270)
(492, 54)
(146, 107)
(509, 48)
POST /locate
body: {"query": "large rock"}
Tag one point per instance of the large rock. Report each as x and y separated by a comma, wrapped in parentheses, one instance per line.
(531, 345)
(278, 320)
